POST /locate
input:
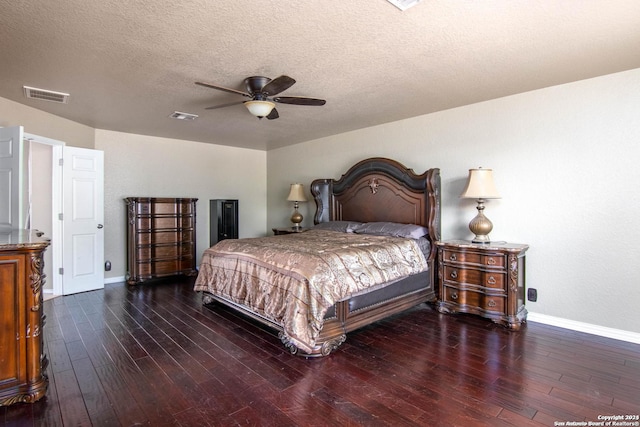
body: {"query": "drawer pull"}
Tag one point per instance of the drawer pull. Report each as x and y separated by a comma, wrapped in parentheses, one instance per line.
(454, 295)
(454, 274)
(491, 261)
(491, 303)
(452, 257)
(491, 280)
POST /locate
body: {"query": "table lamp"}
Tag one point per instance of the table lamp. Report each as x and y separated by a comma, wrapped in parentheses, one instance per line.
(480, 186)
(296, 195)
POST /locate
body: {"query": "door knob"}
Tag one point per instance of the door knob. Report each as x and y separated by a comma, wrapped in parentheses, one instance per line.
(100, 226)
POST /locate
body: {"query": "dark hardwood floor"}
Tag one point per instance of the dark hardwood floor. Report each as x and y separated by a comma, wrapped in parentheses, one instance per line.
(152, 355)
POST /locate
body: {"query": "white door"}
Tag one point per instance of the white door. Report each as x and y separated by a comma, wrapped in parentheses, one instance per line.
(83, 219)
(10, 178)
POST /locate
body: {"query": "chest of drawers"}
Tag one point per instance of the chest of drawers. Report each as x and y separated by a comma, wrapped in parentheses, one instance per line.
(161, 237)
(483, 279)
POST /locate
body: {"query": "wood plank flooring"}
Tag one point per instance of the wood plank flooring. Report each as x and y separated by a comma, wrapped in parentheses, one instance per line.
(152, 355)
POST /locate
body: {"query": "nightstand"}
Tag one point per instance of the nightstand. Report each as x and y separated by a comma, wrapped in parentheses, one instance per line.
(483, 279)
(288, 230)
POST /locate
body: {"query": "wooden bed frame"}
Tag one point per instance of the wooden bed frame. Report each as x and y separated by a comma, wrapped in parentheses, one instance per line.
(375, 189)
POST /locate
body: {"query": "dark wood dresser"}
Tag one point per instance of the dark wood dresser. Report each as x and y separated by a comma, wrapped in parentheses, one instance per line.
(483, 279)
(161, 237)
(22, 360)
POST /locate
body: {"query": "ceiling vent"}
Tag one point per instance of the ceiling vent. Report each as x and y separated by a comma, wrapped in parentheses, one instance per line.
(404, 4)
(183, 116)
(46, 95)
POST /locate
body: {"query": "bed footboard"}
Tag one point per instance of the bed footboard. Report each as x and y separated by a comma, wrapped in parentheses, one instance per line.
(349, 315)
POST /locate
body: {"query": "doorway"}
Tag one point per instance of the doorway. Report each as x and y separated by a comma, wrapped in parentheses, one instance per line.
(44, 202)
(64, 199)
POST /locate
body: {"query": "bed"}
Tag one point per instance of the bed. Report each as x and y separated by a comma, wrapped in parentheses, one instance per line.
(281, 281)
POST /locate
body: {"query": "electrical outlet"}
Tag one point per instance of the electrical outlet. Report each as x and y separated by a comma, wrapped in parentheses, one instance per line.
(532, 294)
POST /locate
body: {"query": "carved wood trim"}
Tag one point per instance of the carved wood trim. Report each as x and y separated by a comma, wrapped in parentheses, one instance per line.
(513, 272)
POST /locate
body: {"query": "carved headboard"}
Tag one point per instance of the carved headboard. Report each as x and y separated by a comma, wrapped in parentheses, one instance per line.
(380, 189)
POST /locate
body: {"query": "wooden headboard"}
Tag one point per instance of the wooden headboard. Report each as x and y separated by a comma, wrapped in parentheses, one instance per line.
(380, 189)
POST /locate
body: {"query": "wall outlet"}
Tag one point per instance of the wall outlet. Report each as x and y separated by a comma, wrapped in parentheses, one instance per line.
(532, 294)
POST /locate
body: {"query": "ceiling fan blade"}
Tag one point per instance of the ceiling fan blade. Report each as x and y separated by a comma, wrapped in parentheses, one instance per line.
(225, 89)
(273, 114)
(215, 107)
(278, 85)
(299, 100)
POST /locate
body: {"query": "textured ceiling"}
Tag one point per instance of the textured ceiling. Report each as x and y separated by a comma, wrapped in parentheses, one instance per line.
(129, 64)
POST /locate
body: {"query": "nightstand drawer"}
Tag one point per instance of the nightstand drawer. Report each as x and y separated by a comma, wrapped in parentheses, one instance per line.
(466, 297)
(488, 279)
(491, 260)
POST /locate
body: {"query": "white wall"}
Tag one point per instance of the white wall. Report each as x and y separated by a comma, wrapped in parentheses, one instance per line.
(565, 161)
(145, 166)
(42, 199)
(37, 122)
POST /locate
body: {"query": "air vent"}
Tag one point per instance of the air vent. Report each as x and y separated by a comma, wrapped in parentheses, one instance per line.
(183, 116)
(46, 95)
(404, 4)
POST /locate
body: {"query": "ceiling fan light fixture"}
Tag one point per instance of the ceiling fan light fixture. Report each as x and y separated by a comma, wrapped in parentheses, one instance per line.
(260, 108)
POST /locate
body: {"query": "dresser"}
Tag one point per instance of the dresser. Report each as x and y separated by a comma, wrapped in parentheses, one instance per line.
(484, 279)
(161, 237)
(22, 360)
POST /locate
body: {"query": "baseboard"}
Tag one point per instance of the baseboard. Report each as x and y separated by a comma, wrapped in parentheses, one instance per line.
(110, 280)
(588, 328)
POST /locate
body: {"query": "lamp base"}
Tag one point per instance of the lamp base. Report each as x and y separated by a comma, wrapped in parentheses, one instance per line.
(481, 239)
(480, 225)
(296, 218)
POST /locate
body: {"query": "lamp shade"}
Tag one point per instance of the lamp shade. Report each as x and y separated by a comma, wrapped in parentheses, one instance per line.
(296, 194)
(480, 185)
(260, 108)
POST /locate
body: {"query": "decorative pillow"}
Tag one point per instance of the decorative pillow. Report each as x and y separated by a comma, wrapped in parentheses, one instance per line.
(342, 226)
(395, 229)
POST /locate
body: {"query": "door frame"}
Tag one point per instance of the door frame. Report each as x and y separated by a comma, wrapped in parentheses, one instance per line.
(56, 207)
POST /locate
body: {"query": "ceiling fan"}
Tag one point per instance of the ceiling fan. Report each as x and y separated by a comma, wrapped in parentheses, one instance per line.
(262, 91)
